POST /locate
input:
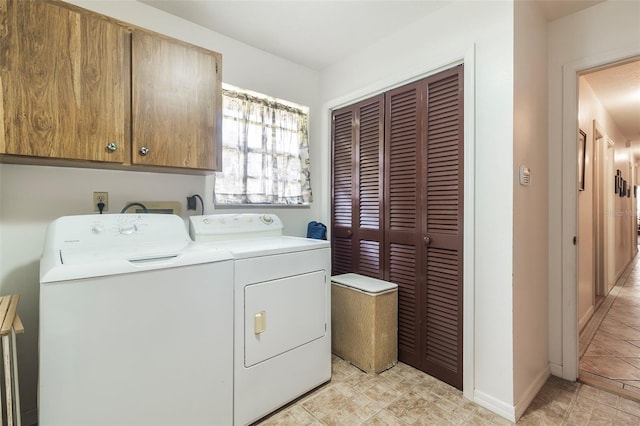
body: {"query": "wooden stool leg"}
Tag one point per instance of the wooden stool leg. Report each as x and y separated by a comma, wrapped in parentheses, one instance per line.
(16, 385)
(6, 355)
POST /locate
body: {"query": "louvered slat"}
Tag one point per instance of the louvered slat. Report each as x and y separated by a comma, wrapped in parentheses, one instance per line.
(402, 151)
(342, 168)
(402, 269)
(443, 157)
(370, 258)
(442, 307)
(341, 256)
(369, 167)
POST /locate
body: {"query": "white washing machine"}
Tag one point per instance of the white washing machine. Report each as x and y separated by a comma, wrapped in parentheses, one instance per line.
(282, 330)
(136, 324)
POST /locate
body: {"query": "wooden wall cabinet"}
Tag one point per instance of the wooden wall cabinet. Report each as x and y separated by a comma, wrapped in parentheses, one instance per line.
(80, 86)
(176, 104)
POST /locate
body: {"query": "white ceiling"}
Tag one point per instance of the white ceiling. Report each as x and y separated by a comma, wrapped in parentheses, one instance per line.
(318, 33)
(315, 34)
(618, 89)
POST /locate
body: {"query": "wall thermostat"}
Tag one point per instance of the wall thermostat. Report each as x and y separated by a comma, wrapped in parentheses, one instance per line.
(525, 175)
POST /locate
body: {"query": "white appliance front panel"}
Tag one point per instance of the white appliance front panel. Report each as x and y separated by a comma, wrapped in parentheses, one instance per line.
(263, 387)
(283, 314)
(147, 348)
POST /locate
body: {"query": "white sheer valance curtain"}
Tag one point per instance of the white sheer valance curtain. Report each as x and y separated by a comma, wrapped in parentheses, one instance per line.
(265, 151)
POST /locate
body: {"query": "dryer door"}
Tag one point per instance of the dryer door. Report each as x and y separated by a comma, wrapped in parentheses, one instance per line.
(283, 314)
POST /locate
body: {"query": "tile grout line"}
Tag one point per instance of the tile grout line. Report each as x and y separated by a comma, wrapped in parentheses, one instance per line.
(589, 331)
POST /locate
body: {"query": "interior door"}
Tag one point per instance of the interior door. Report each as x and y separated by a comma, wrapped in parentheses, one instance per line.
(412, 235)
(358, 188)
(403, 133)
(424, 211)
(442, 216)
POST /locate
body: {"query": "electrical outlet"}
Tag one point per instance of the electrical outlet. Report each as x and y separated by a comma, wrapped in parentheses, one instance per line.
(100, 197)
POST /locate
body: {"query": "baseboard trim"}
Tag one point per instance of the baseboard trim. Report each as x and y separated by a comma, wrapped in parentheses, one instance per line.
(585, 318)
(532, 391)
(495, 405)
(556, 370)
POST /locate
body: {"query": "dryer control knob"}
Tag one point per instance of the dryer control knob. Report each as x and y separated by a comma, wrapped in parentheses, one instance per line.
(266, 219)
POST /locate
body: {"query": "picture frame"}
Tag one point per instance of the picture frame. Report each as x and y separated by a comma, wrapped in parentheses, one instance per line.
(582, 153)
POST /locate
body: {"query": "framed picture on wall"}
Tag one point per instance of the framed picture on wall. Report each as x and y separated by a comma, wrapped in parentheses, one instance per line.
(582, 152)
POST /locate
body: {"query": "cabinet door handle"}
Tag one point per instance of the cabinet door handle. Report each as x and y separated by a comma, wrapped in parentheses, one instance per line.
(111, 146)
(427, 241)
(144, 150)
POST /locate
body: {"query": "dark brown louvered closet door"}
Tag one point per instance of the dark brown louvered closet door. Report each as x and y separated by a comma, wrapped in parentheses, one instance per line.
(443, 184)
(343, 179)
(403, 133)
(357, 188)
(398, 211)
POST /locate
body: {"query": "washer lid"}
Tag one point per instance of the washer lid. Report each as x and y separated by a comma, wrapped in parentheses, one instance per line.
(363, 283)
(100, 245)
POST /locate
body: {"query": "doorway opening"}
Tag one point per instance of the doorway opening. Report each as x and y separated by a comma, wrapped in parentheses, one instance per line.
(607, 228)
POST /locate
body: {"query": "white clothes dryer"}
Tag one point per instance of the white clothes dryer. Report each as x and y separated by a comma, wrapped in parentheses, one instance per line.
(136, 324)
(282, 328)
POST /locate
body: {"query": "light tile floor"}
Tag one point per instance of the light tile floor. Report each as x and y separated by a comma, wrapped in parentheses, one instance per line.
(608, 395)
(611, 344)
(403, 395)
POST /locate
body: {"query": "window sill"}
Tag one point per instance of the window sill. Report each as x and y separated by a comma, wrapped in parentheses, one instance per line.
(261, 206)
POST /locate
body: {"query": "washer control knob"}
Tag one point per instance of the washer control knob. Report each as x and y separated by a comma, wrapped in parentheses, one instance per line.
(96, 229)
(266, 219)
(128, 229)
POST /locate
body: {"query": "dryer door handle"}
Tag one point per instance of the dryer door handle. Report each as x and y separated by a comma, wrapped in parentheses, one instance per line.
(259, 323)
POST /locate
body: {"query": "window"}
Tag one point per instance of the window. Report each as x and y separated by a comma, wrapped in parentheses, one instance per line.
(265, 151)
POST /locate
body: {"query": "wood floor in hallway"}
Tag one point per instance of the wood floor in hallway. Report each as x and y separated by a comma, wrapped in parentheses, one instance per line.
(610, 343)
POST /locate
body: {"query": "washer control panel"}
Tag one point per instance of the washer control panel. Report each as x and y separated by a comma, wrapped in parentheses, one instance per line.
(113, 230)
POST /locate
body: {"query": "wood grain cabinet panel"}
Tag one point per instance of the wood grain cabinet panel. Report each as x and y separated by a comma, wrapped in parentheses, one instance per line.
(176, 103)
(76, 85)
(65, 83)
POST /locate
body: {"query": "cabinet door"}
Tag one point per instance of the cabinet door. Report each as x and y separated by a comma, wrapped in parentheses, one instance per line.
(65, 83)
(176, 103)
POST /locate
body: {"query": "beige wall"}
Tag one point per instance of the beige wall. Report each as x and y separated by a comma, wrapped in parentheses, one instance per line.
(530, 292)
(586, 255)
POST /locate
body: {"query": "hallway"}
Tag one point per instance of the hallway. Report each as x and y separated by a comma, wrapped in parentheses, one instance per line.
(610, 342)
